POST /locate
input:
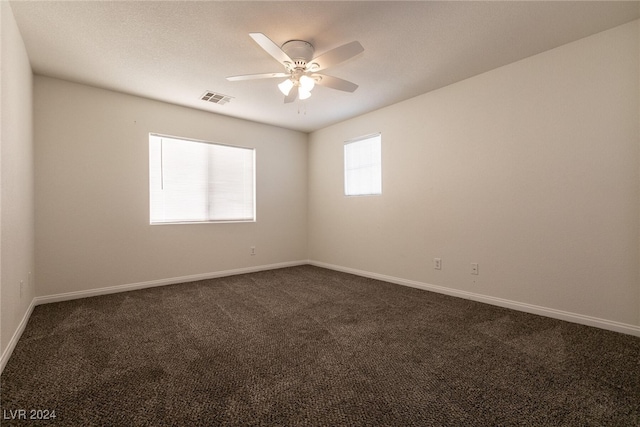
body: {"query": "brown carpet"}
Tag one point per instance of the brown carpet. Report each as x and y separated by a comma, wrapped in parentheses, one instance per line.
(306, 346)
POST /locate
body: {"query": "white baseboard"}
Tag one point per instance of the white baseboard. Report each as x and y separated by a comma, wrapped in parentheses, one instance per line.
(6, 354)
(515, 305)
(162, 282)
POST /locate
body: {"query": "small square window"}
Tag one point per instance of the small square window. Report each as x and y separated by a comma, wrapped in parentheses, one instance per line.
(363, 166)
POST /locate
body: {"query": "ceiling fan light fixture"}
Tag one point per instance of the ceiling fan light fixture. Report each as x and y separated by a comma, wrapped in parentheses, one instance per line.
(297, 57)
(285, 86)
(307, 83)
(303, 93)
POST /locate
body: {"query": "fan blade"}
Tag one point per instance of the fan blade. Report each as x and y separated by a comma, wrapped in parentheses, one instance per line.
(336, 83)
(335, 56)
(293, 94)
(257, 76)
(271, 48)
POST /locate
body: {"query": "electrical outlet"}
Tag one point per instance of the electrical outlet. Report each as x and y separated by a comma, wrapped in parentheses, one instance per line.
(253, 250)
(437, 263)
(474, 268)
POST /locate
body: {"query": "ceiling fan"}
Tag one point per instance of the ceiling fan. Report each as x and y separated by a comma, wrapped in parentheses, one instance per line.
(301, 68)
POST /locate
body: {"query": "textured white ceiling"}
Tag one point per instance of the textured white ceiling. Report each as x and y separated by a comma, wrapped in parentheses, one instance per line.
(175, 51)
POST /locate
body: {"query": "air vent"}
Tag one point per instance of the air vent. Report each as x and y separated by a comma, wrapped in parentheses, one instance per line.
(216, 98)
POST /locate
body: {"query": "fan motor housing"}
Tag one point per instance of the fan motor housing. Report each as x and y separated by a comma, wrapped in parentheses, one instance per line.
(299, 51)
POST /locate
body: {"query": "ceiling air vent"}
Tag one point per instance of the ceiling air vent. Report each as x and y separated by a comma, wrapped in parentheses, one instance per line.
(216, 98)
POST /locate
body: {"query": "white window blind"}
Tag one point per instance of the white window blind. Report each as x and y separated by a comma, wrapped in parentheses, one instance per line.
(363, 166)
(194, 181)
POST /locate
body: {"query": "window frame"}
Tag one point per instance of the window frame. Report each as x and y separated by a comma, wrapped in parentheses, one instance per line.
(200, 141)
(344, 168)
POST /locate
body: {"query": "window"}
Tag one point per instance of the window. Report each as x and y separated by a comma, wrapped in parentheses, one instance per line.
(363, 166)
(196, 181)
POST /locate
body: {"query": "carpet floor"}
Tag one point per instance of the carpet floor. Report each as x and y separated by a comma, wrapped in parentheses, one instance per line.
(307, 346)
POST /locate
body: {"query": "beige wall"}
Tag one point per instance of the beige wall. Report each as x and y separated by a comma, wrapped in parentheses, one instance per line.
(530, 170)
(16, 181)
(92, 218)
